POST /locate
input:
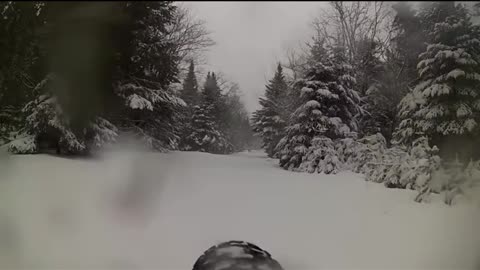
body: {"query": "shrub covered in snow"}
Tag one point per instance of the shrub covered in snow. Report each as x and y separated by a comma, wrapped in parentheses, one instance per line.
(25, 144)
(451, 180)
(418, 167)
(415, 168)
(358, 154)
(321, 157)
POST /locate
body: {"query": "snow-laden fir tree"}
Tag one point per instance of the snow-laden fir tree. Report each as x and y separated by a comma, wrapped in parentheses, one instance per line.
(190, 92)
(445, 103)
(150, 112)
(270, 120)
(205, 135)
(150, 107)
(205, 131)
(21, 62)
(328, 109)
(122, 69)
(212, 95)
(47, 126)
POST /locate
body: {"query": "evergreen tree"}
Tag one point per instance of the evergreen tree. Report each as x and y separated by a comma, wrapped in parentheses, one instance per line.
(121, 71)
(212, 95)
(190, 95)
(211, 91)
(432, 13)
(329, 105)
(270, 120)
(216, 121)
(21, 60)
(205, 135)
(445, 103)
(190, 89)
(239, 132)
(146, 68)
(48, 127)
(55, 114)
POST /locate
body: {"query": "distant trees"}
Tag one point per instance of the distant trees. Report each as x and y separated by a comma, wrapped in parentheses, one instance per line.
(190, 93)
(218, 122)
(205, 135)
(237, 119)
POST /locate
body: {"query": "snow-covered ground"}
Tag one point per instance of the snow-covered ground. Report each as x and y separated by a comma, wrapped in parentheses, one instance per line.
(60, 213)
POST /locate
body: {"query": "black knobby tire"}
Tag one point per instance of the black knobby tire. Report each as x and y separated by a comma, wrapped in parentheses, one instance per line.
(236, 255)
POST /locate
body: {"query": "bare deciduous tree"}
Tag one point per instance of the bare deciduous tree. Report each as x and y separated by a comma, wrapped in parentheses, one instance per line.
(296, 61)
(190, 36)
(347, 23)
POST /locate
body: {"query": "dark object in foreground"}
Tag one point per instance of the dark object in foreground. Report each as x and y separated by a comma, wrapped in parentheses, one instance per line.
(236, 255)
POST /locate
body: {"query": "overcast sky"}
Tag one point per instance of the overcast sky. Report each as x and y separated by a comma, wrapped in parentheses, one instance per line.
(251, 37)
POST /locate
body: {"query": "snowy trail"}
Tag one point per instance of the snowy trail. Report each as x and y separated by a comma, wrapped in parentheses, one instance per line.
(305, 221)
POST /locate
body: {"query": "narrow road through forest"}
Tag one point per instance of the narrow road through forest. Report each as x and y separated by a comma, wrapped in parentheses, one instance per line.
(195, 200)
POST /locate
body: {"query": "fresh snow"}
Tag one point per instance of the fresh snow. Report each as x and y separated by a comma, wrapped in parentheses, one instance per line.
(62, 213)
(312, 104)
(135, 101)
(456, 73)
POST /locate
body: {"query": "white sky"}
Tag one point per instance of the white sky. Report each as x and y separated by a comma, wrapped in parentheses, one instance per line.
(251, 37)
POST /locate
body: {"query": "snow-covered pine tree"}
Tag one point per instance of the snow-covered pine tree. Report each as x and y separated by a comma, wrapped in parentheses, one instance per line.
(270, 120)
(445, 103)
(431, 13)
(48, 127)
(150, 108)
(212, 95)
(205, 135)
(328, 109)
(21, 60)
(150, 112)
(191, 96)
(190, 92)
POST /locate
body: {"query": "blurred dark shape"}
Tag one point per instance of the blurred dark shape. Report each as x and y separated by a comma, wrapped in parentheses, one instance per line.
(85, 71)
(235, 255)
(79, 40)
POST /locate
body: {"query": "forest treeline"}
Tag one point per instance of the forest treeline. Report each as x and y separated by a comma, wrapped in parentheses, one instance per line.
(390, 90)
(76, 75)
